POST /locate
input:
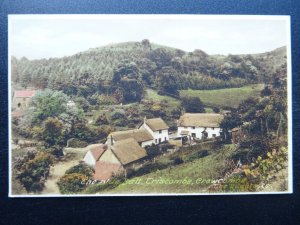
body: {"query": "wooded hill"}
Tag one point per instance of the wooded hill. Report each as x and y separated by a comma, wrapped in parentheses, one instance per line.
(159, 67)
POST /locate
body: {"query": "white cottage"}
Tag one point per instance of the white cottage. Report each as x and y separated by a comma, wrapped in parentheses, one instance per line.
(94, 152)
(157, 128)
(142, 136)
(152, 131)
(199, 125)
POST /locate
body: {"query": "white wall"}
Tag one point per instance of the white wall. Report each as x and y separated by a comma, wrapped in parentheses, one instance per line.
(146, 143)
(198, 131)
(164, 135)
(89, 159)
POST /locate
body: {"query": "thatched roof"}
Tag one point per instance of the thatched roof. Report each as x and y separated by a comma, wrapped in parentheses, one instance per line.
(140, 135)
(97, 150)
(157, 124)
(200, 120)
(128, 151)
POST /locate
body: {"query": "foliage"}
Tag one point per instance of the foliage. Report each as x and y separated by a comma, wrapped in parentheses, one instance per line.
(48, 103)
(81, 169)
(52, 132)
(76, 143)
(33, 170)
(72, 183)
(192, 105)
(91, 72)
(101, 120)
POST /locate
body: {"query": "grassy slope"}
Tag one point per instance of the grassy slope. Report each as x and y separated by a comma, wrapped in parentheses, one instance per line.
(203, 169)
(225, 97)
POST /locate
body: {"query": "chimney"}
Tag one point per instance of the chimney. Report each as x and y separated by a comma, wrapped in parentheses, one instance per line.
(111, 141)
(145, 119)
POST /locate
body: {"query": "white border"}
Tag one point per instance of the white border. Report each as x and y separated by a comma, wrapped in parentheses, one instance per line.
(285, 18)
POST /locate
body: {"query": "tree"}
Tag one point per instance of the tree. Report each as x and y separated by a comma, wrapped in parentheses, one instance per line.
(192, 105)
(53, 132)
(34, 169)
(48, 103)
(167, 81)
(230, 122)
(128, 85)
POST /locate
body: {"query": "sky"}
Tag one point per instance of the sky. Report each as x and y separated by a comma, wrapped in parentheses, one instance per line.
(49, 36)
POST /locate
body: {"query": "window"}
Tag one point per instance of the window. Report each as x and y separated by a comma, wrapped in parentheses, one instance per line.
(19, 105)
(160, 131)
(193, 135)
(159, 140)
(194, 127)
(165, 138)
(24, 99)
(214, 135)
(155, 140)
(213, 128)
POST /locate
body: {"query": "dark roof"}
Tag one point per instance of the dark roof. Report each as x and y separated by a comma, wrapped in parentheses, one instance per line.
(200, 120)
(140, 135)
(157, 124)
(128, 151)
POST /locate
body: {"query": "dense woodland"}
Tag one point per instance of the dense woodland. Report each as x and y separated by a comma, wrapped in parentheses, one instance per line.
(124, 70)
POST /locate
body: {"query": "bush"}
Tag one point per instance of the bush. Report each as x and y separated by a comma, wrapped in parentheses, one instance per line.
(178, 160)
(152, 150)
(56, 151)
(33, 170)
(117, 115)
(72, 183)
(112, 183)
(101, 120)
(76, 143)
(197, 155)
(81, 169)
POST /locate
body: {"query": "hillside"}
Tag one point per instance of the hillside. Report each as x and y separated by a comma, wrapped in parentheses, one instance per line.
(196, 70)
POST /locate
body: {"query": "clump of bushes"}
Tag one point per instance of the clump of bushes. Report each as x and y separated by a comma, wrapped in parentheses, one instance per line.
(33, 170)
(75, 178)
(76, 143)
(82, 169)
(72, 183)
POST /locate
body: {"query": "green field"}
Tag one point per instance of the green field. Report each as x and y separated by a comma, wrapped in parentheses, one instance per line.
(225, 97)
(190, 177)
(152, 95)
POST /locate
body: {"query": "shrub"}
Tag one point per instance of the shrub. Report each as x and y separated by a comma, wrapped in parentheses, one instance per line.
(72, 183)
(101, 120)
(76, 143)
(198, 155)
(152, 150)
(56, 151)
(81, 169)
(33, 170)
(178, 160)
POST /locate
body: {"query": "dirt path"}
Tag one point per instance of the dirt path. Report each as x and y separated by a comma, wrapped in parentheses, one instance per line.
(57, 171)
(71, 158)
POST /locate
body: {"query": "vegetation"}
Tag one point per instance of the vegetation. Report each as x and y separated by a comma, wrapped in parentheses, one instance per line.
(123, 70)
(192, 105)
(84, 97)
(33, 169)
(75, 179)
(229, 97)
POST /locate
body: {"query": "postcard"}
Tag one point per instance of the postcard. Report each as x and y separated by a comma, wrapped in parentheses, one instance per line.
(138, 105)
